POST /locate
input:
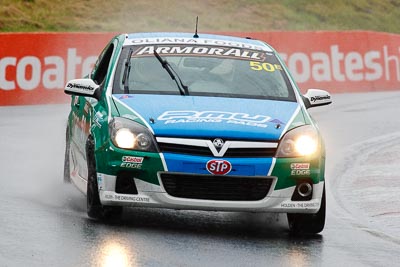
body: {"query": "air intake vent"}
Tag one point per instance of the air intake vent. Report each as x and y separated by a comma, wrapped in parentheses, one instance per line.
(215, 187)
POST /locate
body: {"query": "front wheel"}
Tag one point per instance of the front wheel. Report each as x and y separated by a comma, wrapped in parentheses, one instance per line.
(308, 223)
(95, 209)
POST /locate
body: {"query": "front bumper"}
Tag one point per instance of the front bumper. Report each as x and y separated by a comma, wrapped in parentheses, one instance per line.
(145, 169)
(151, 195)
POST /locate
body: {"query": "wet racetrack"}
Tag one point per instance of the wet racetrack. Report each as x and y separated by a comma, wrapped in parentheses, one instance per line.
(44, 223)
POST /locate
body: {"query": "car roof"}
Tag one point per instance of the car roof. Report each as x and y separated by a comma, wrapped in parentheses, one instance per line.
(188, 38)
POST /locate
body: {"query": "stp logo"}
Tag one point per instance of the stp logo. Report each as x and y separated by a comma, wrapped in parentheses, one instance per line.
(219, 166)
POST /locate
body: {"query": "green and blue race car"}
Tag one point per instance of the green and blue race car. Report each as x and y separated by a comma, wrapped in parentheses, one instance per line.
(205, 122)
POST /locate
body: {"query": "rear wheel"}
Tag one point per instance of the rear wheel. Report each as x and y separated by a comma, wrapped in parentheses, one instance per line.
(308, 223)
(67, 170)
(95, 209)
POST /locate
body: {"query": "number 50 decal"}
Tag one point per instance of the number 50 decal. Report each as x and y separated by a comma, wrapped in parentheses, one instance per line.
(254, 65)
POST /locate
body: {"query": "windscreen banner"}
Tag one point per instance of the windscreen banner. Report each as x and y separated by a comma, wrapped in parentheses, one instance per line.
(34, 67)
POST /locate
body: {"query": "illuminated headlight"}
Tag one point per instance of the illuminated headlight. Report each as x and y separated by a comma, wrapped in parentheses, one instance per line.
(131, 135)
(299, 142)
(125, 138)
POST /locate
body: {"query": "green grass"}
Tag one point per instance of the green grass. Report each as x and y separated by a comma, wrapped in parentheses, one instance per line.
(179, 15)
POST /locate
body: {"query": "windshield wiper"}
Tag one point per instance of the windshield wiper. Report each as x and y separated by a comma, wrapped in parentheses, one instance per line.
(183, 89)
(127, 70)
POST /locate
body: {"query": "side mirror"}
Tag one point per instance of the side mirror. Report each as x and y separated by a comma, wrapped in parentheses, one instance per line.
(82, 87)
(316, 98)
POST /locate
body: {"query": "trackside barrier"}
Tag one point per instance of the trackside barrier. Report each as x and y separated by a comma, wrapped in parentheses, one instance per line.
(34, 67)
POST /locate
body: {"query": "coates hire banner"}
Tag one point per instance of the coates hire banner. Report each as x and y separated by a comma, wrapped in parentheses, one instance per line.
(34, 67)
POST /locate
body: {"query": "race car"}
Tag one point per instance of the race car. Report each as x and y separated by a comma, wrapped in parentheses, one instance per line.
(195, 122)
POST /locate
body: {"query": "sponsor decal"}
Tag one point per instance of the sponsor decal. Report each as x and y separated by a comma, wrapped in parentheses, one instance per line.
(131, 165)
(300, 169)
(300, 166)
(191, 116)
(79, 86)
(288, 205)
(319, 98)
(131, 159)
(307, 205)
(219, 166)
(132, 162)
(132, 198)
(300, 205)
(300, 172)
(200, 50)
(201, 41)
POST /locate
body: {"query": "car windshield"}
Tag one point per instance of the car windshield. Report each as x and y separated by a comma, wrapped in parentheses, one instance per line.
(205, 70)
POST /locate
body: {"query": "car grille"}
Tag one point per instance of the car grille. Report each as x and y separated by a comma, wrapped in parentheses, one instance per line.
(205, 151)
(216, 187)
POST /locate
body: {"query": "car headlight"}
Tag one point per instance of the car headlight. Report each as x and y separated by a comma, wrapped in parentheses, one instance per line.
(299, 142)
(131, 135)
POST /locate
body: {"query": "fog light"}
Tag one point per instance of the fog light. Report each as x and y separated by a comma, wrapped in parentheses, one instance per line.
(304, 189)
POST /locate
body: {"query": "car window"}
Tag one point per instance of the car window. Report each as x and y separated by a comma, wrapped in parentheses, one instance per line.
(102, 66)
(213, 71)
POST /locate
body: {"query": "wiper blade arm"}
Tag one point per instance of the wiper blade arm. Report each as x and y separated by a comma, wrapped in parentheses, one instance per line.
(127, 70)
(183, 89)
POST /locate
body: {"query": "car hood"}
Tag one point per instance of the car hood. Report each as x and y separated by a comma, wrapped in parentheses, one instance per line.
(208, 117)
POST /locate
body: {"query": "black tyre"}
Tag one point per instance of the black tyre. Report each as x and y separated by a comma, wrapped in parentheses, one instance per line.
(308, 223)
(95, 209)
(67, 171)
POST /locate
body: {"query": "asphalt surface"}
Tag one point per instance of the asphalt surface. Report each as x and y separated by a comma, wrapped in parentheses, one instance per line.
(44, 223)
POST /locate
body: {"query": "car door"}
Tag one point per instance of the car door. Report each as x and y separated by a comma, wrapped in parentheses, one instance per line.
(82, 113)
